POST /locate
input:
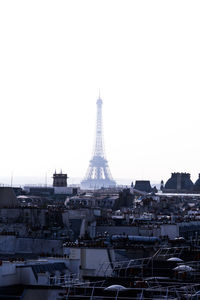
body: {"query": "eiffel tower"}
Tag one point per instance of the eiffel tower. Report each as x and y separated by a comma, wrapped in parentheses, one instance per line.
(98, 174)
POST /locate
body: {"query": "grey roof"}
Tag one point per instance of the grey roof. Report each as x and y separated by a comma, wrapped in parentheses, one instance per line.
(185, 181)
(143, 185)
(197, 185)
(46, 267)
(8, 198)
(51, 267)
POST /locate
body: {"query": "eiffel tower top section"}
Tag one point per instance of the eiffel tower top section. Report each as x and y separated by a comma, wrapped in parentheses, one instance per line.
(98, 174)
(99, 145)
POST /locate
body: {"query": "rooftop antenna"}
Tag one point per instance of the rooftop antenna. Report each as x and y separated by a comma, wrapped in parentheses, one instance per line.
(11, 180)
(99, 94)
(46, 179)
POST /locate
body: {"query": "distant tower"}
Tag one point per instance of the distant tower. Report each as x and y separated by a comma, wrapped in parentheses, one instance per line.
(98, 174)
(162, 185)
(60, 183)
(59, 179)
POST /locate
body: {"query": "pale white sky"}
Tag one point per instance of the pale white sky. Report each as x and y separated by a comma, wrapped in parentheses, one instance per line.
(143, 55)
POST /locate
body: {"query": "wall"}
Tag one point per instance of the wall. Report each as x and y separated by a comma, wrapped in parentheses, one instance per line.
(41, 294)
(8, 274)
(171, 230)
(37, 246)
(93, 258)
(60, 190)
(11, 245)
(26, 276)
(89, 259)
(7, 244)
(74, 255)
(130, 230)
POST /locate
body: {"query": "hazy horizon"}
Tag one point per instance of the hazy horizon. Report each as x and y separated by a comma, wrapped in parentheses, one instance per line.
(23, 180)
(48, 180)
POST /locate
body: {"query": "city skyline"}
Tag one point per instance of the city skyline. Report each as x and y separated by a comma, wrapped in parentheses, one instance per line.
(121, 78)
(145, 59)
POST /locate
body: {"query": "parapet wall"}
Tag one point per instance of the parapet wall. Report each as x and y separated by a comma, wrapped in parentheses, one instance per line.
(10, 244)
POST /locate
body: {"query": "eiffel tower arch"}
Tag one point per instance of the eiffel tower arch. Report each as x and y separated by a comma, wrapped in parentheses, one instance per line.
(98, 174)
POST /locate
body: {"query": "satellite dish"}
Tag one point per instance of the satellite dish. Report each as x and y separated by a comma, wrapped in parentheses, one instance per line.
(115, 287)
(183, 268)
(177, 259)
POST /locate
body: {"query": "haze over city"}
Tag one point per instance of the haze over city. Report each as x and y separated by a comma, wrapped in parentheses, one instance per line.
(144, 57)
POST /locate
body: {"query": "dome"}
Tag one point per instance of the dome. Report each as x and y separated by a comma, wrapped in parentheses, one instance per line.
(179, 181)
(171, 183)
(197, 185)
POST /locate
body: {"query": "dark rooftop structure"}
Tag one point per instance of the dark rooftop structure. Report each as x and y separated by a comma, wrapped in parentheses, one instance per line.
(8, 198)
(60, 180)
(143, 185)
(41, 191)
(179, 183)
(197, 185)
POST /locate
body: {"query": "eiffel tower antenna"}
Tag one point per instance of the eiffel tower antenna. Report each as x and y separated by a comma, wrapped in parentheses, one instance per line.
(98, 174)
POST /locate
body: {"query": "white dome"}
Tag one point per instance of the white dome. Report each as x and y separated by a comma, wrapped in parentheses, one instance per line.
(115, 287)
